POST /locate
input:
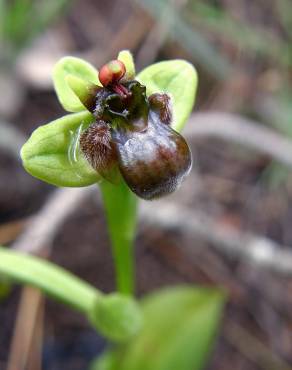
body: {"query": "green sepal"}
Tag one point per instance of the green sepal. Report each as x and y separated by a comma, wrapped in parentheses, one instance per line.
(177, 78)
(52, 152)
(76, 67)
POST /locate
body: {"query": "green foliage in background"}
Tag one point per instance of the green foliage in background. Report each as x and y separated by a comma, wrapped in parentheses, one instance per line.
(22, 20)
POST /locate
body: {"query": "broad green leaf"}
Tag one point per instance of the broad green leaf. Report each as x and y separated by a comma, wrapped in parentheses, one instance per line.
(177, 78)
(126, 57)
(120, 205)
(180, 325)
(79, 68)
(50, 278)
(52, 152)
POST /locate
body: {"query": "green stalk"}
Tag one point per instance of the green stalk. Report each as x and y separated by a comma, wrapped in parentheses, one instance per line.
(121, 212)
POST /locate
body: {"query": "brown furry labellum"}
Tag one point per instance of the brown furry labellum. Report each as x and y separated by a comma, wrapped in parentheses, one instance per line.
(132, 133)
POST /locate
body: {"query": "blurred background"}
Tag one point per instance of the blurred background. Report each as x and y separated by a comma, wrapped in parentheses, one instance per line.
(230, 223)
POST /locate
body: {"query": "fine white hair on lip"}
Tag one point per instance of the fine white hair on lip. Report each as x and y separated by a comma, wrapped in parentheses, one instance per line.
(139, 150)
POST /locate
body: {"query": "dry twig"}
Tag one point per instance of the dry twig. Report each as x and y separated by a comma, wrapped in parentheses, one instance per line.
(44, 226)
(240, 245)
(253, 348)
(233, 128)
(253, 248)
(25, 327)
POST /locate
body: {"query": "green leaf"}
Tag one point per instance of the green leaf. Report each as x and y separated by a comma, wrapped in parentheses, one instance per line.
(180, 325)
(115, 316)
(50, 278)
(177, 78)
(121, 211)
(52, 152)
(126, 57)
(78, 68)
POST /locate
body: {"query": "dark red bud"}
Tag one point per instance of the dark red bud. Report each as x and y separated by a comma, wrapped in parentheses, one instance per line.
(111, 72)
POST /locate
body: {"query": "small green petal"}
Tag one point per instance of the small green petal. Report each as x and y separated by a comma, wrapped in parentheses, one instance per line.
(76, 67)
(84, 90)
(127, 58)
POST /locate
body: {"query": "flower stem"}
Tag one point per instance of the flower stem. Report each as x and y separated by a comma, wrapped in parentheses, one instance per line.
(121, 211)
